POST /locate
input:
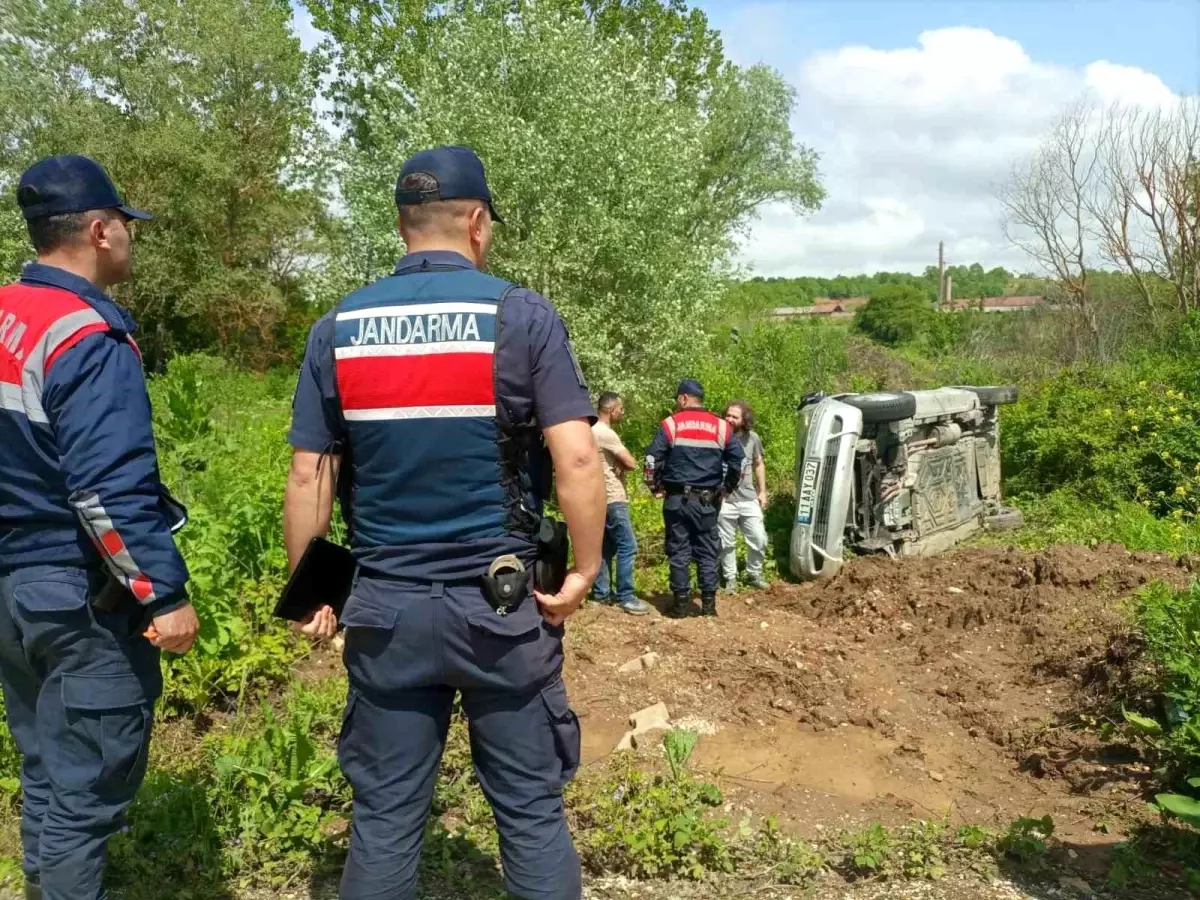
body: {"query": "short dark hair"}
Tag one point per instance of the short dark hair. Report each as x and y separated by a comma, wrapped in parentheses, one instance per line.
(747, 412)
(607, 401)
(51, 232)
(436, 215)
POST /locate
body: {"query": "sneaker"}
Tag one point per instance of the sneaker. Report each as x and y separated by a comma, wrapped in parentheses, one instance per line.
(757, 582)
(729, 587)
(602, 600)
(634, 606)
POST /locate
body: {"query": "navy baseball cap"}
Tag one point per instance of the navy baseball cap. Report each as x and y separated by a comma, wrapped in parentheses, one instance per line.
(691, 387)
(458, 173)
(69, 184)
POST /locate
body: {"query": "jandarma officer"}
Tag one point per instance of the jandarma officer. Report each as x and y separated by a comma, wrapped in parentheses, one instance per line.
(87, 561)
(441, 396)
(694, 462)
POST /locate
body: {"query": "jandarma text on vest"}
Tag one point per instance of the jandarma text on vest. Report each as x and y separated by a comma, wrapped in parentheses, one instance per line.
(433, 327)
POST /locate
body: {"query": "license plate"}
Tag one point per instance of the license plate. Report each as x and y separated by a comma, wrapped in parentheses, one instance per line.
(808, 491)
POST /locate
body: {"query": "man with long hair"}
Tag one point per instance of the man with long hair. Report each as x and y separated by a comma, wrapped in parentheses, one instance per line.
(743, 509)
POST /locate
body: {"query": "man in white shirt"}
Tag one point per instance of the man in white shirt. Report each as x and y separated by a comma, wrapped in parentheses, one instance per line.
(619, 539)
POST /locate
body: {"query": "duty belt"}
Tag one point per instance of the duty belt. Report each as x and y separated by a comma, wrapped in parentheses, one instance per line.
(706, 495)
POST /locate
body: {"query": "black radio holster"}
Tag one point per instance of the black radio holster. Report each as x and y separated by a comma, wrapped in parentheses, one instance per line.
(553, 555)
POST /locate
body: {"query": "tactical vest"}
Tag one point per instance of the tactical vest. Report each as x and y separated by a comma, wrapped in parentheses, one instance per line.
(697, 439)
(37, 325)
(439, 480)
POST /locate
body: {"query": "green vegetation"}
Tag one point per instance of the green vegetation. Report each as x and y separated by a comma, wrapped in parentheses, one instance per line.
(898, 314)
(627, 154)
(967, 282)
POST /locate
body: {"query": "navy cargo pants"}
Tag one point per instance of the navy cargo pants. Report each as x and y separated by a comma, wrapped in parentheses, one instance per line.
(409, 648)
(691, 534)
(79, 689)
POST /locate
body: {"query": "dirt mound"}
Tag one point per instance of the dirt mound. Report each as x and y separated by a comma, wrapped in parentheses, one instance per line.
(916, 685)
(971, 588)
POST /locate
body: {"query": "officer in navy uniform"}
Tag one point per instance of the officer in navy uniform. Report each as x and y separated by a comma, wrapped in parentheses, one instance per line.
(694, 461)
(434, 402)
(92, 586)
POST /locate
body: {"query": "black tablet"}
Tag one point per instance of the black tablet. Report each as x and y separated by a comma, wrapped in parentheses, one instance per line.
(324, 575)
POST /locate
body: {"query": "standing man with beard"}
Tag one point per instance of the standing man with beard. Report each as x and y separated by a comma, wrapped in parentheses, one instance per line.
(446, 399)
(743, 508)
(91, 584)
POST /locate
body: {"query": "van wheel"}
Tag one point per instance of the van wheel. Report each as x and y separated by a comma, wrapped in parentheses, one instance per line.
(994, 396)
(882, 406)
(1006, 518)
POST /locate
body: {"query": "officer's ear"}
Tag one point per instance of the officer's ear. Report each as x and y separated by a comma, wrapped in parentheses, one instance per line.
(98, 227)
(479, 224)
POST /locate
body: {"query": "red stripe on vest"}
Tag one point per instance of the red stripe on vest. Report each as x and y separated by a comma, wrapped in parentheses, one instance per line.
(698, 426)
(436, 379)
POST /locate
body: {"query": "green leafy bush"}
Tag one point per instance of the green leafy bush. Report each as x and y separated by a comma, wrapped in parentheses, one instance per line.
(1122, 433)
(790, 861)
(869, 851)
(223, 451)
(650, 826)
(1027, 839)
(275, 790)
(898, 314)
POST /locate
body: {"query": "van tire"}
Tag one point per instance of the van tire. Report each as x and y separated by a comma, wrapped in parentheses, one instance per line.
(882, 406)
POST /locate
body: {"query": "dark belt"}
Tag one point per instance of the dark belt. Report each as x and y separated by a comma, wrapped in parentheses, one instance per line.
(706, 495)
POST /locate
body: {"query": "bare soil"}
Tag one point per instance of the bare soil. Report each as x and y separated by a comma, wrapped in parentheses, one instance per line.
(953, 687)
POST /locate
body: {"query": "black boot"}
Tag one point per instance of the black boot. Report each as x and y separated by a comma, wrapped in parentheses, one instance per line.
(33, 891)
(682, 606)
(708, 605)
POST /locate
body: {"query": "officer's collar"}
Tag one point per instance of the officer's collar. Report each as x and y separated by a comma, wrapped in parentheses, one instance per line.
(42, 275)
(431, 259)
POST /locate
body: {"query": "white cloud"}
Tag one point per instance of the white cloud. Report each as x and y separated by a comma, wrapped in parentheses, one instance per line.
(914, 145)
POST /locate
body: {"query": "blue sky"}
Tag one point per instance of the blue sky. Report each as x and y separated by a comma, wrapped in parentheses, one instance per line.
(1161, 36)
(919, 111)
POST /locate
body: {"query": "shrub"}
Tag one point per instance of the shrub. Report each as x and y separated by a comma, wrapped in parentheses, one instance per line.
(1125, 433)
(897, 314)
(651, 826)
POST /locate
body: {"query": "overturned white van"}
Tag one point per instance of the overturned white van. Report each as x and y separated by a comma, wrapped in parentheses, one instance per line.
(907, 473)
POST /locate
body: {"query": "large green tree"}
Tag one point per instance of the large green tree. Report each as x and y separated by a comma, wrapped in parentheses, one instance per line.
(625, 153)
(201, 111)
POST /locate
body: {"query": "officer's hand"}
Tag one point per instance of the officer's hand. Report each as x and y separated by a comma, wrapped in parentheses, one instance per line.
(556, 608)
(762, 499)
(175, 631)
(320, 625)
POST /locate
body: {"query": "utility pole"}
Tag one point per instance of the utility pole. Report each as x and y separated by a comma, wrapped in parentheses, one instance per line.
(941, 287)
(948, 290)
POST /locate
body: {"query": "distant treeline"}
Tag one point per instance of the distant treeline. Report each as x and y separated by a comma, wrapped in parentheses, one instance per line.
(967, 283)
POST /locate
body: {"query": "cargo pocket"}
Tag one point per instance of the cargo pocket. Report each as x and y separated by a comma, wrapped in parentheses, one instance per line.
(66, 592)
(368, 627)
(108, 723)
(564, 726)
(522, 621)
